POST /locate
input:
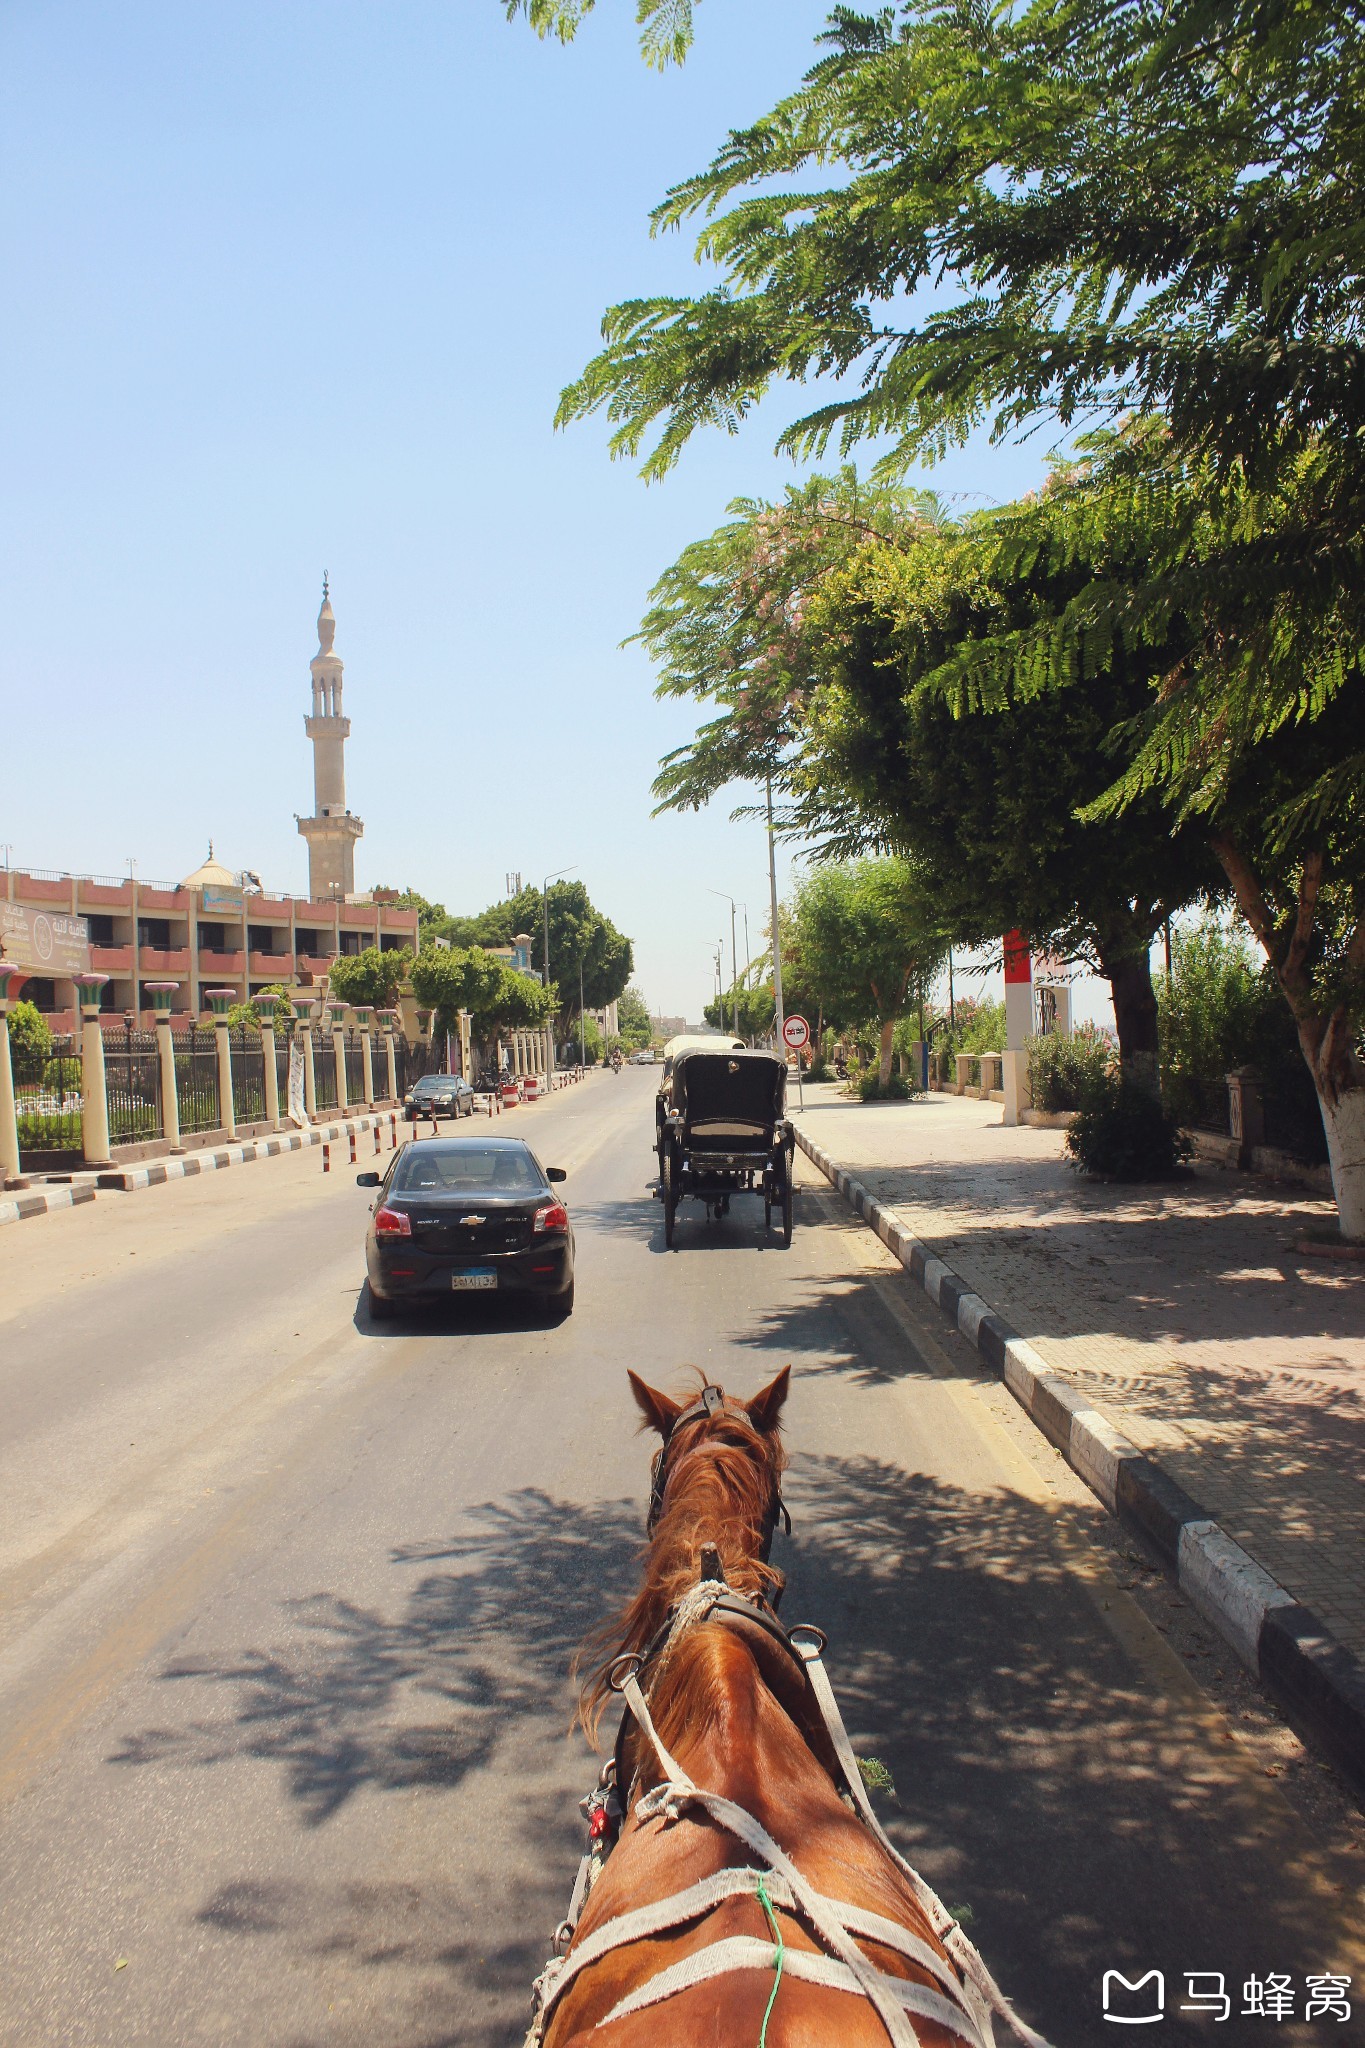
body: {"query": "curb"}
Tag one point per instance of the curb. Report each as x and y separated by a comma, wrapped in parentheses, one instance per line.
(1315, 1678)
(125, 1179)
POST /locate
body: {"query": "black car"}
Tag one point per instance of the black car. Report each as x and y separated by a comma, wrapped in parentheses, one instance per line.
(467, 1216)
(438, 1095)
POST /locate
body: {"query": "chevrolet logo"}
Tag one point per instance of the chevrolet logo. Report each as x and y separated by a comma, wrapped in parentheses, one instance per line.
(472, 1222)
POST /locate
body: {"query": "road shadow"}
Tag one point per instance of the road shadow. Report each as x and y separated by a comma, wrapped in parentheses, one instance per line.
(502, 1312)
(643, 1220)
(1039, 1783)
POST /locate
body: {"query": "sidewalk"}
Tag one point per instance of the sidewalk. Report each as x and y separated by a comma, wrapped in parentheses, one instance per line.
(1180, 1311)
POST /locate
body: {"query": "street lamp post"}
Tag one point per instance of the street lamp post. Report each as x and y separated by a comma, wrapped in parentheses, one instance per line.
(734, 958)
(545, 907)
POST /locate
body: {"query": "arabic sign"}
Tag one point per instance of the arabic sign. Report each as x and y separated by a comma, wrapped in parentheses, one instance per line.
(46, 944)
(226, 902)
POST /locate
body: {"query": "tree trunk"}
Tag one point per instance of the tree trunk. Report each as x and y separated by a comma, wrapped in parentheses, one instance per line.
(1130, 981)
(1325, 1037)
(1344, 1122)
(888, 1037)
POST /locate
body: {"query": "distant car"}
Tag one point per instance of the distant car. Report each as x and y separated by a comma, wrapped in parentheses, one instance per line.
(438, 1095)
(643, 1059)
(467, 1216)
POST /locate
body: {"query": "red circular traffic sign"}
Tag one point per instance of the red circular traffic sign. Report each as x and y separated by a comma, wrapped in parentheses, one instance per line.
(795, 1032)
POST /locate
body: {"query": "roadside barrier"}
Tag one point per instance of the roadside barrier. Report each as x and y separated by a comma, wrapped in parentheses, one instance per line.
(393, 1129)
(327, 1159)
(378, 1141)
(351, 1136)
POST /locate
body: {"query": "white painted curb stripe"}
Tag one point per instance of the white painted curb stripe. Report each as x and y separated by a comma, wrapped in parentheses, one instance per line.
(1228, 1587)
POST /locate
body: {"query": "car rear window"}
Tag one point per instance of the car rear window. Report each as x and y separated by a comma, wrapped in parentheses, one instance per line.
(475, 1169)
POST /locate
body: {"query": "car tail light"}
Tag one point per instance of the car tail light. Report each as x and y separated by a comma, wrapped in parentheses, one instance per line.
(392, 1223)
(554, 1217)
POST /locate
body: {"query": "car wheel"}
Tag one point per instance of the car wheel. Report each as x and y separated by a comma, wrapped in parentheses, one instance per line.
(381, 1310)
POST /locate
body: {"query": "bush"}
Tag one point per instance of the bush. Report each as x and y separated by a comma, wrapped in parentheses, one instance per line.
(819, 1069)
(57, 1132)
(1061, 1069)
(979, 1027)
(30, 1042)
(897, 1089)
(62, 1074)
(1122, 1133)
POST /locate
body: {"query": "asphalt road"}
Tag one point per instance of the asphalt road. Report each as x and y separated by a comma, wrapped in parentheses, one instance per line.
(287, 1605)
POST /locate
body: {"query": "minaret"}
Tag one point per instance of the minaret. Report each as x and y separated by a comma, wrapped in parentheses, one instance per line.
(331, 832)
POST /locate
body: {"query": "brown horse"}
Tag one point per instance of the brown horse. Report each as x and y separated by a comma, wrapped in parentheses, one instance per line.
(751, 1897)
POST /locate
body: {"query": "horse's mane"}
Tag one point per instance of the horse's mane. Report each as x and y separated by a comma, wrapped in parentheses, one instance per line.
(723, 1482)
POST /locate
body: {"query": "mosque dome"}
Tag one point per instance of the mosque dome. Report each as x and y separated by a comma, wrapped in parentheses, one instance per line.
(211, 874)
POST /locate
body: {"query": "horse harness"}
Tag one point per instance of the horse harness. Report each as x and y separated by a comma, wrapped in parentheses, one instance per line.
(966, 2002)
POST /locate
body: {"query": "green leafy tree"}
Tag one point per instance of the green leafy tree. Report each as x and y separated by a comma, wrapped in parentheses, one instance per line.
(822, 631)
(373, 976)
(247, 1017)
(757, 1011)
(665, 25)
(498, 999)
(30, 1042)
(870, 942)
(633, 1018)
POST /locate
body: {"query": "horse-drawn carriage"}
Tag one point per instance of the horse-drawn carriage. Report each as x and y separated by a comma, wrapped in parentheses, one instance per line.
(721, 1131)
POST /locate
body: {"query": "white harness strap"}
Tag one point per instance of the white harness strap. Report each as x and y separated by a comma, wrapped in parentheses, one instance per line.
(678, 1791)
(736, 1881)
(748, 1952)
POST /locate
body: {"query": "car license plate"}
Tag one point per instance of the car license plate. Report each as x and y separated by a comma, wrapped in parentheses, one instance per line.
(461, 1281)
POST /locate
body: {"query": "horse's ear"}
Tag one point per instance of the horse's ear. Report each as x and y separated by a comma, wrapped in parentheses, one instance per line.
(765, 1410)
(658, 1410)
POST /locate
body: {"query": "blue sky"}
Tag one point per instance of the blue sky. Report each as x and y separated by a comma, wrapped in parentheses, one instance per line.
(295, 286)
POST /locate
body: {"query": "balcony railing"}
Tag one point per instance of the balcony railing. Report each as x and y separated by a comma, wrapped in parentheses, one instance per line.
(231, 965)
(111, 959)
(155, 960)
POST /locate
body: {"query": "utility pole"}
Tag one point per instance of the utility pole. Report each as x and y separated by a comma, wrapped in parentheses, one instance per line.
(772, 896)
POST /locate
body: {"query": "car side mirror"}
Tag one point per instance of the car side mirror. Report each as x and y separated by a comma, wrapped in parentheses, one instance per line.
(367, 1180)
(555, 1173)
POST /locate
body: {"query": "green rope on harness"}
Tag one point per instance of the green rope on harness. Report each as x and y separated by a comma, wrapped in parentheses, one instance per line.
(761, 1894)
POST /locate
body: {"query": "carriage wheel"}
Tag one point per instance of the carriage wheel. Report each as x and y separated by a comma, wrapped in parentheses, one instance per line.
(669, 1175)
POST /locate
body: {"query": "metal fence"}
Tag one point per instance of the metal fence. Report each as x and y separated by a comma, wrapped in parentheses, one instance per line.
(48, 1100)
(415, 1058)
(132, 1079)
(324, 1070)
(355, 1068)
(196, 1079)
(248, 1076)
(1201, 1103)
